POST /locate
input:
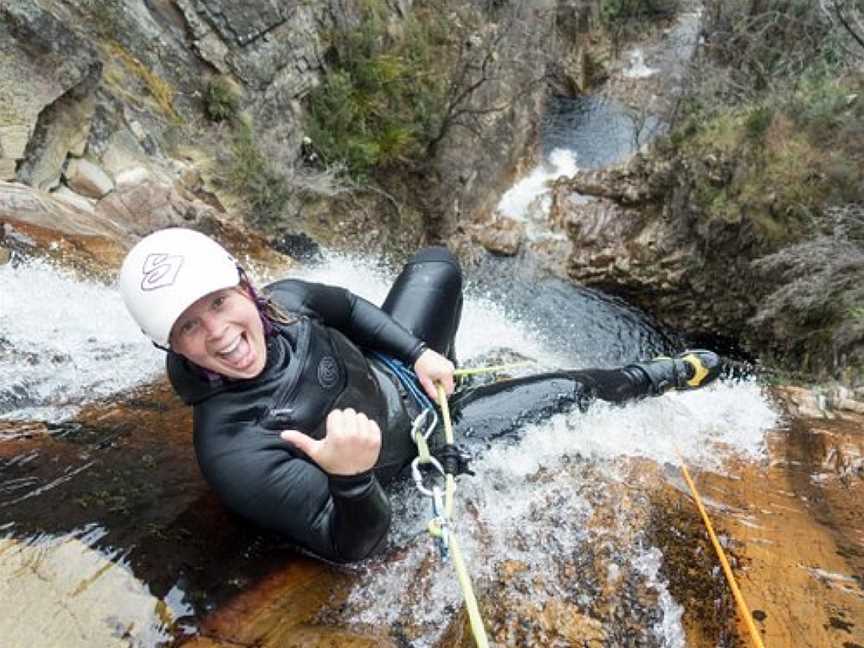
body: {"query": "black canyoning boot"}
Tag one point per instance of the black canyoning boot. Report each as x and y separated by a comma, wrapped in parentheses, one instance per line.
(691, 369)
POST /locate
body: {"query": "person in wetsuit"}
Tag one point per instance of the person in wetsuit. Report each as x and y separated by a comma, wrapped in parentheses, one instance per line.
(299, 416)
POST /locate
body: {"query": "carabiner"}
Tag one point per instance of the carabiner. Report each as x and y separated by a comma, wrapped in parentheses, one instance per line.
(418, 476)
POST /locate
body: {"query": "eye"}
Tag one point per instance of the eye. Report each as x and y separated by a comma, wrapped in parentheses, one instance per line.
(219, 301)
(188, 326)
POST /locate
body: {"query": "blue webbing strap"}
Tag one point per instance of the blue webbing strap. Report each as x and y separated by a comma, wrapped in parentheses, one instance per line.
(407, 377)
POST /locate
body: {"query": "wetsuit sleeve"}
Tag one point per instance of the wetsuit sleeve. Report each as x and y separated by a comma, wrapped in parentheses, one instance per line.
(361, 321)
(343, 519)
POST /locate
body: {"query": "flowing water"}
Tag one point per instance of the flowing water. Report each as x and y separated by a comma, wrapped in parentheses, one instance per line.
(588, 132)
(64, 341)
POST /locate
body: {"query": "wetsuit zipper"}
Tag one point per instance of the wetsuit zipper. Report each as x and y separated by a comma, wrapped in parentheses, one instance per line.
(286, 392)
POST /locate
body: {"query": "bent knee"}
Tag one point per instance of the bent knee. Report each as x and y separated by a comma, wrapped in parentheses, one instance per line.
(435, 253)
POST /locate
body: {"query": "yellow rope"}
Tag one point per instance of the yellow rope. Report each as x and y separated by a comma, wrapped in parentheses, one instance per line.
(445, 413)
(471, 606)
(730, 578)
(474, 618)
(481, 370)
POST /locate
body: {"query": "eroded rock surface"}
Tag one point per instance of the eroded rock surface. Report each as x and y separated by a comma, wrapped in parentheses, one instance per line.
(48, 79)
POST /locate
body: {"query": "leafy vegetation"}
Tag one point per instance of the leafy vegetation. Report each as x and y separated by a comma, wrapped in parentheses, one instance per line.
(819, 295)
(251, 175)
(393, 90)
(383, 92)
(787, 156)
(772, 129)
(624, 20)
(221, 99)
(628, 11)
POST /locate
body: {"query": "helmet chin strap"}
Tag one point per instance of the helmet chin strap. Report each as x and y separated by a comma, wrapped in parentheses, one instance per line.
(159, 346)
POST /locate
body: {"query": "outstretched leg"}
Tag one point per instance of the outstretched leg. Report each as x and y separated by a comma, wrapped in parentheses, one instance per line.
(502, 408)
(688, 370)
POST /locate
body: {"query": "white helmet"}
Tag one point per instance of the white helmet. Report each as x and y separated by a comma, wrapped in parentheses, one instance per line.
(167, 271)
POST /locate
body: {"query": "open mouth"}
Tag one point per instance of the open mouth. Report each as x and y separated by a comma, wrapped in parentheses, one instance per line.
(238, 354)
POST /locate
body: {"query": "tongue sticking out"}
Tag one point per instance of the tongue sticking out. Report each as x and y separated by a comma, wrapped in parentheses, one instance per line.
(239, 353)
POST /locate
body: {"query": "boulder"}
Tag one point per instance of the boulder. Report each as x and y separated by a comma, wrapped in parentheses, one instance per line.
(502, 236)
(149, 206)
(849, 405)
(7, 168)
(87, 179)
(65, 228)
(803, 402)
(122, 153)
(133, 177)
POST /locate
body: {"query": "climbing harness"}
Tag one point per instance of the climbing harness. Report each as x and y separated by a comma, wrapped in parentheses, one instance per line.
(743, 609)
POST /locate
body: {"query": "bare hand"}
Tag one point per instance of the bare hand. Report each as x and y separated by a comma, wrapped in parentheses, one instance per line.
(432, 367)
(351, 444)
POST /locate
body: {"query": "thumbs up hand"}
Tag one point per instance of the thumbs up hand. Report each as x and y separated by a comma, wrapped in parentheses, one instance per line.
(350, 446)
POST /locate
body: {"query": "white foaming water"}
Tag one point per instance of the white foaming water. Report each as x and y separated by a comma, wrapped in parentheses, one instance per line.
(528, 201)
(535, 502)
(668, 630)
(706, 426)
(637, 68)
(64, 342)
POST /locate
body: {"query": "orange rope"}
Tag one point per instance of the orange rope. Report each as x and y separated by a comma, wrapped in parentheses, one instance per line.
(730, 578)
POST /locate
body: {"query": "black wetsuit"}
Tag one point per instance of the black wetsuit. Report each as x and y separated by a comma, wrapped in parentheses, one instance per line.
(320, 363)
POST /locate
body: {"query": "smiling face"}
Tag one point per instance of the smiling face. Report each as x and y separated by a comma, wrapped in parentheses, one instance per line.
(222, 332)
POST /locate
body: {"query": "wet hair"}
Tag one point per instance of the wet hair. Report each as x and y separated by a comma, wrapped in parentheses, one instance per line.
(271, 312)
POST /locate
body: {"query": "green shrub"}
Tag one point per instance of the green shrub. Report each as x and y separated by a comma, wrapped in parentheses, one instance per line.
(620, 11)
(763, 42)
(818, 103)
(757, 121)
(221, 99)
(251, 176)
(383, 97)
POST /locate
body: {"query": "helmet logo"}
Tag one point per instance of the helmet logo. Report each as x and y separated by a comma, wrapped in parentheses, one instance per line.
(160, 270)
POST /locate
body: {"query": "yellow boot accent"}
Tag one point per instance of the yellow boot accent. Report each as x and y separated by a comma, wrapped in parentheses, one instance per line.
(701, 371)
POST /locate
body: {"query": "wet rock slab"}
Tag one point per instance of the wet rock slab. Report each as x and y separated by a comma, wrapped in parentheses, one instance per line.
(112, 504)
(794, 529)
